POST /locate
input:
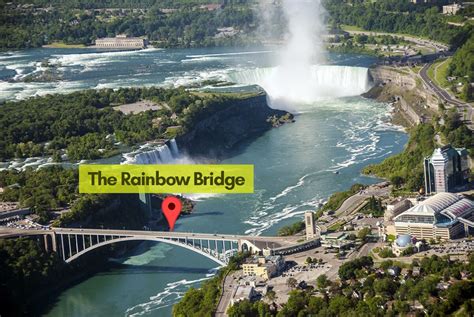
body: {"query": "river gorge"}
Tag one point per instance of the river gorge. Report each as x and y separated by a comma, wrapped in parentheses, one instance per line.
(335, 130)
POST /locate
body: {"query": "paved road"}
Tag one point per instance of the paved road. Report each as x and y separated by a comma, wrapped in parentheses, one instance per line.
(365, 249)
(446, 97)
(351, 203)
(229, 287)
(437, 46)
(6, 232)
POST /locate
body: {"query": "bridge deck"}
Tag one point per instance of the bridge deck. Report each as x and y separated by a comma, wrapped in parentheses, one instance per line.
(261, 241)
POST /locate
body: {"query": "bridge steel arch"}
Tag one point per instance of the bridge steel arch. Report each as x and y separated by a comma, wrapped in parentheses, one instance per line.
(72, 243)
(172, 242)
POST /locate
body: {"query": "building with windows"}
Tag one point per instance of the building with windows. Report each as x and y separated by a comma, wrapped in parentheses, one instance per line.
(452, 9)
(446, 170)
(263, 267)
(396, 207)
(121, 42)
(242, 292)
(442, 216)
(310, 225)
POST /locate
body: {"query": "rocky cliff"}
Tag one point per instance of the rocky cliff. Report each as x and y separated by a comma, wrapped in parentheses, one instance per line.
(382, 75)
(412, 101)
(398, 81)
(243, 118)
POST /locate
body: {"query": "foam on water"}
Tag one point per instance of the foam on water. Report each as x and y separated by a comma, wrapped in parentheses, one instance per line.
(172, 292)
(303, 87)
(88, 61)
(229, 54)
(169, 296)
(147, 255)
(218, 56)
(360, 143)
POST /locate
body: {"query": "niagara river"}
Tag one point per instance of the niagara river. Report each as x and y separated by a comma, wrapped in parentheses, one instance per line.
(336, 130)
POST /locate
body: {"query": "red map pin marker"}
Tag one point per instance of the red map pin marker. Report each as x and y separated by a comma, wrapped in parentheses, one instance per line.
(171, 207)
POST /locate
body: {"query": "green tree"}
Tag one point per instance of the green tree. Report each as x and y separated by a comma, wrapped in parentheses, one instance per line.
(363, 233)
(322, 281)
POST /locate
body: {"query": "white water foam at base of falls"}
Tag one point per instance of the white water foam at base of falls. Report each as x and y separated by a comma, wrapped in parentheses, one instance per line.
(306, 86)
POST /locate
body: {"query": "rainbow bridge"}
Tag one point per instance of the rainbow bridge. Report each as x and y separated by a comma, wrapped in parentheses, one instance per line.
(72, 243)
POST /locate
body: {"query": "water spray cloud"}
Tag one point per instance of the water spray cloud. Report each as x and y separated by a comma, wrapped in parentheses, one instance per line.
(300, 78)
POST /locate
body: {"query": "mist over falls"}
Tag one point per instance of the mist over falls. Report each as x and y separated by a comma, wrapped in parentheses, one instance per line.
(301, 76)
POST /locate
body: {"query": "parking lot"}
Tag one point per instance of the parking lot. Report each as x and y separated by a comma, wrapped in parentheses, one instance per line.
(458, 247)
(25, 224)
(307, 273)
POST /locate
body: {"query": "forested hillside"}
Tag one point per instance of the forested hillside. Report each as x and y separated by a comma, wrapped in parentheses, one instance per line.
(399, 16)
(193, 23)
(166, 23)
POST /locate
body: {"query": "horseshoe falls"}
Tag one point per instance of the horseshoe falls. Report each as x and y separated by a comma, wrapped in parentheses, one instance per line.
(308, 85)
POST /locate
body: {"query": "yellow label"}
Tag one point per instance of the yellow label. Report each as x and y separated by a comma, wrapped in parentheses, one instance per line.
(184, 179)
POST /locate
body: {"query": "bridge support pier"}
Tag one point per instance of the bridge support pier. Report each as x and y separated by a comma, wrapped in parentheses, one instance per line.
(62, 247)
(46, 243)
(69, 242)
(54, 242)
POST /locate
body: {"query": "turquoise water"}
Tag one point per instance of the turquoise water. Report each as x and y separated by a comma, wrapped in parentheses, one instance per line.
(294, 170)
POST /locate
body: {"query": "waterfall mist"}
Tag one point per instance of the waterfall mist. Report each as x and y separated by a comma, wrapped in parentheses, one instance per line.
(304, 45)
(300, 78)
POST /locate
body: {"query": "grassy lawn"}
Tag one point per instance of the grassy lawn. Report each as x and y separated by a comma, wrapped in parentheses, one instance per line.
(348, 28)
(416, 69)
(438, 72)
(430, 71)
(64, 45)
(442, 72)
(351, 28)
(336, 227)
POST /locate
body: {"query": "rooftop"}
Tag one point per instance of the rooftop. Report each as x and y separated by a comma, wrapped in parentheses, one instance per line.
(444, 207)
(8, 206)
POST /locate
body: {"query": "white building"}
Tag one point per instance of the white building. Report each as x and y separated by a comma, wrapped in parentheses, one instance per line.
(121, 42)
(242, 292)
(452, 9)
(444, 216)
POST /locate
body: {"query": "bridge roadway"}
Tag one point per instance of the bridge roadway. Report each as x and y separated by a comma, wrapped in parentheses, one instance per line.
(273, 242)
(72, 243)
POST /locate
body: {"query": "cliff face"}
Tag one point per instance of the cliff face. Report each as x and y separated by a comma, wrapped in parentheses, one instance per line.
(400, 81)
(388, 75)
(218, 133)
(413, 103)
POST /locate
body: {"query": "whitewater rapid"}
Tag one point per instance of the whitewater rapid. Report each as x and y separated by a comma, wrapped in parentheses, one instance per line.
(82, 69)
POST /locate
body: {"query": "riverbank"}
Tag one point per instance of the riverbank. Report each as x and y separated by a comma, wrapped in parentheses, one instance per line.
(63, 45)
(215, 135)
